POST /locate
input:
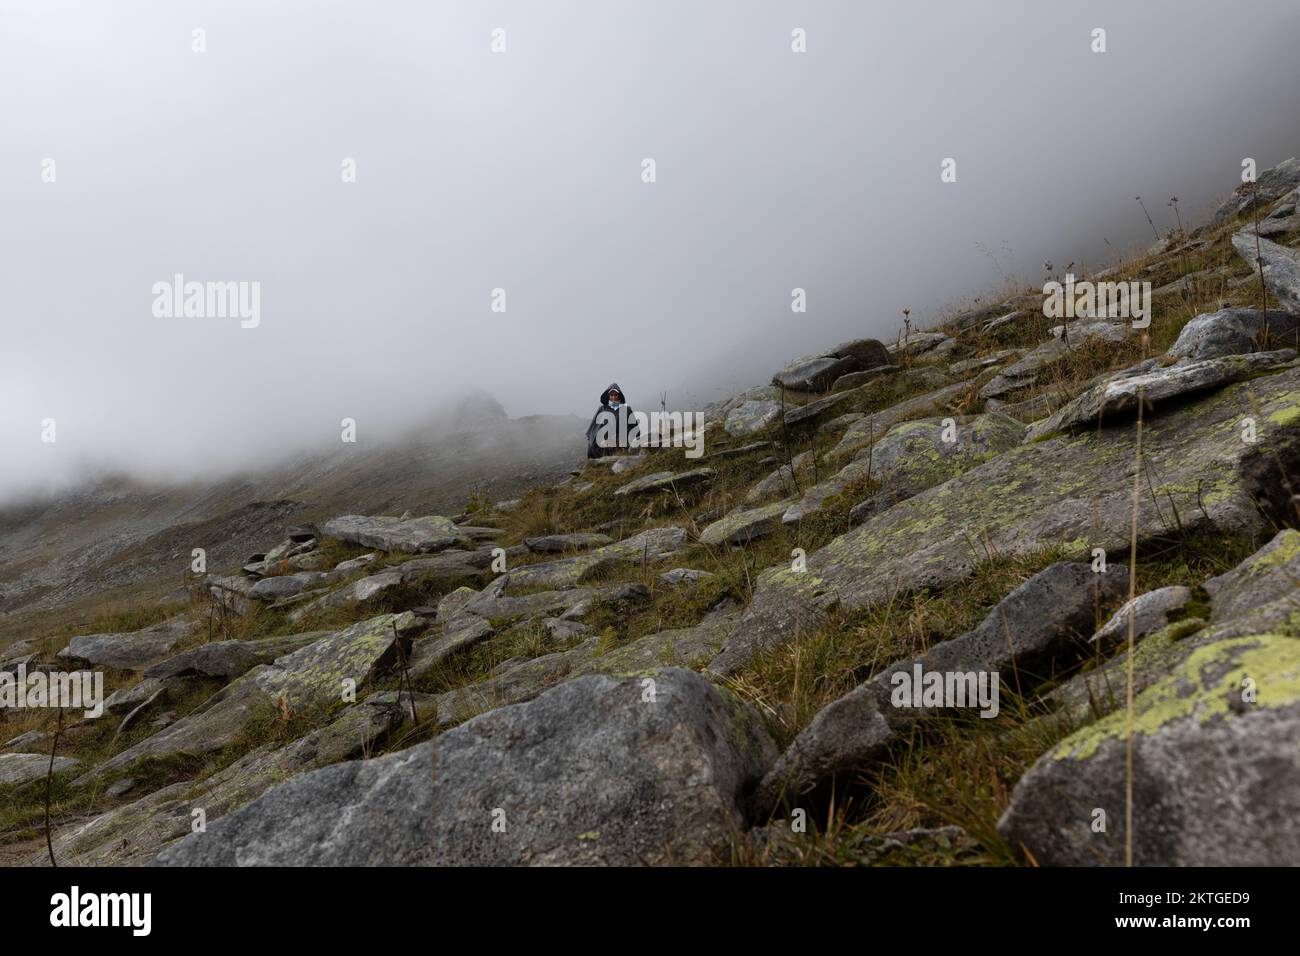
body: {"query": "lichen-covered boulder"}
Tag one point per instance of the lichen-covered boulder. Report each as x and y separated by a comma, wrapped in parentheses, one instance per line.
(317, 675)
(645, 770)
(916, 455)
(868, 429)
(1073, 492)
(1118, 394)
(750, 417)
(1216, 770)
(916, 343)
(133, 833)
(744, 524)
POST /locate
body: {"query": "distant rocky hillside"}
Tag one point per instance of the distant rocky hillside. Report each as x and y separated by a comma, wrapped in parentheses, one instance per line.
(118, 535)
(889, 617)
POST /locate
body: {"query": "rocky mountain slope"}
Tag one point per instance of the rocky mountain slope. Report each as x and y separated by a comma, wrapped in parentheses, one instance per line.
(62, 557)
(1073, 526)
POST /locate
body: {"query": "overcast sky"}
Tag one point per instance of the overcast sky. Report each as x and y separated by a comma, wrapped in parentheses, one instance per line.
(522, 170)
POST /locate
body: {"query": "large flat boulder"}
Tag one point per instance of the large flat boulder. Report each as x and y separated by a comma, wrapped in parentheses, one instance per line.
(17, 769)
(1118, 394)
(429, 533)
(362, 589)
(1072, 491)
(666, 481)
(133, 651)
(917, 343)
(283, 586)
(647, 770)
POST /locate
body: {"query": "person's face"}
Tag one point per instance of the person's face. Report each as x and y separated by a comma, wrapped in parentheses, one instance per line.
(615, 397)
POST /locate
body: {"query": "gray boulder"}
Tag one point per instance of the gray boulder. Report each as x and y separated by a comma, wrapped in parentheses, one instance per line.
(751, 417)
(226, 660)
(133, 651)
(1216, 776)
(647, 546)
(286, 585)
(782, 482)
(576, 541)
(1150, 613)
(1270, 185)
(127, 699)
(744, 525)
(430, 533)
(362, 589)
(862, 433)
(1211, 335)
(453, 635)
(854, 379)
(1268, 576)
(916, 343)
(132, 834)
(1281, 268)
(1118, 394)
(871, 353)
(966, 366)
(913, 456)
(814, 374)
(355, 564)
(666, 480)
(648, 770)
(678, 575)
(18, 769)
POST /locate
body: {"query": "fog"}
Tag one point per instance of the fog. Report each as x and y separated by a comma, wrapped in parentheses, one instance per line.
(522, 170)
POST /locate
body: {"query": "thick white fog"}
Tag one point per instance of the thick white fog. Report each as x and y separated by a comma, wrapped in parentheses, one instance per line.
(128, 156)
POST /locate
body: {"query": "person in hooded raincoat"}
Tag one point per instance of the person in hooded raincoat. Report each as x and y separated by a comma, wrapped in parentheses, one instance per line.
(612, 427)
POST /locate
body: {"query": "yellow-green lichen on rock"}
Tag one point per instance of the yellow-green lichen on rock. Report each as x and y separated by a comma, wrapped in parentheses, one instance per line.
(1207, 686)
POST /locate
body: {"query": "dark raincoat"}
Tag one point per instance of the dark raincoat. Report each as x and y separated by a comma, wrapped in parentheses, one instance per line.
(622, 424)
